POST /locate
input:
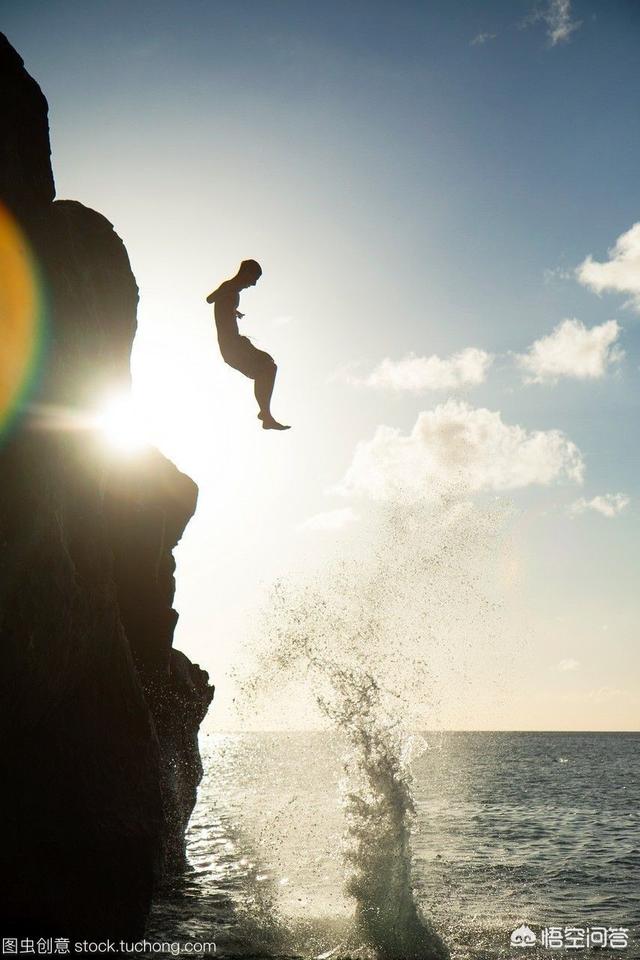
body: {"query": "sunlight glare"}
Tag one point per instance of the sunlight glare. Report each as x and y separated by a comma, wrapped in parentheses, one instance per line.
(122, 424)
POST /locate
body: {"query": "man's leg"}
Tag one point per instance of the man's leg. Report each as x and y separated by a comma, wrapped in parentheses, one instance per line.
(263, 389)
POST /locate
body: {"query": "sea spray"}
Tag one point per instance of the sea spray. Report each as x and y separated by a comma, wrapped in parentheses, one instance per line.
(376, 795)
(361, 637)
(379, 813)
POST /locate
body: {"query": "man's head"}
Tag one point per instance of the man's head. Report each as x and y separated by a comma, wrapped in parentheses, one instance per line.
(249, 273)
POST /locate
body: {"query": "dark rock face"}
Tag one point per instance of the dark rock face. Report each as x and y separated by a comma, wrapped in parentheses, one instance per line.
(98, 714)
(25, 170)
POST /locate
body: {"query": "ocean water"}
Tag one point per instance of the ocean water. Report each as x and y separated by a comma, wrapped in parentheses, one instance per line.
(477, 833)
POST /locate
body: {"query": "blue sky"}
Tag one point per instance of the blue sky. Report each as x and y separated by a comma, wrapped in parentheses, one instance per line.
(408, 191)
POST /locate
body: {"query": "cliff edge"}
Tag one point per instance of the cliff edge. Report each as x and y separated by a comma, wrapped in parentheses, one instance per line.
(99, 714)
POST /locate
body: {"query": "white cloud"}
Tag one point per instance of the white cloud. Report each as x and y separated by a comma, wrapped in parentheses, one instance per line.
(416, 374)
(557, 17)
(462, 445)
(568, 665)
(621, 272)
(329, 520)
(572, 350)
(560, 26)
(481, 38)
(608, 504)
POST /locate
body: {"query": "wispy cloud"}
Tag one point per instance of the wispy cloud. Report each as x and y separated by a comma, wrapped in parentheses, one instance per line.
(621, 272)
(608, 693)
(416, 374)
(329, 520)
(556, 15)
(572, 350)
(560, 26)
(551, 274)
(568, 665)
(481, 38)
(610, 505)
(460, 444)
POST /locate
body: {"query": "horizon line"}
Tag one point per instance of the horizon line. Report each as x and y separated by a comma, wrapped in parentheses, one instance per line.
(430, 730)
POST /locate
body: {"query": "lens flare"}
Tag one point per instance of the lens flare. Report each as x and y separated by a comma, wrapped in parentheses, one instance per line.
(21, 318)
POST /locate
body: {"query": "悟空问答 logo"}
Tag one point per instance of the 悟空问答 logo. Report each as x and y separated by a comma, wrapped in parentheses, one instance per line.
(523, 937)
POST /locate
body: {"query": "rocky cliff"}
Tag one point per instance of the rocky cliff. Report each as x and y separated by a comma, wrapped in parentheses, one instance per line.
(99, 714)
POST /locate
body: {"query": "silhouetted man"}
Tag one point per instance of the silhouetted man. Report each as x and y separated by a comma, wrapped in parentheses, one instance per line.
(238, 351)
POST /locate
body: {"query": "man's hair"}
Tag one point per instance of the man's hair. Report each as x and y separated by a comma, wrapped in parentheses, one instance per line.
(250, 266)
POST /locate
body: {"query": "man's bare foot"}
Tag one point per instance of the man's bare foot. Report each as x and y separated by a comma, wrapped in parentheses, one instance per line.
(269, 423)
(274, 425)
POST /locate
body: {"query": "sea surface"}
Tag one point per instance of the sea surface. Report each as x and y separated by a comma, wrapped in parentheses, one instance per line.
(505, 829)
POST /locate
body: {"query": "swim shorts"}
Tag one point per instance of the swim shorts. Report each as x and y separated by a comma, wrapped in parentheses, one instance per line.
(243, 356)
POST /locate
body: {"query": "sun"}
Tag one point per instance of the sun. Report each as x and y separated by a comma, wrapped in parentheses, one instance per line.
(122, 424)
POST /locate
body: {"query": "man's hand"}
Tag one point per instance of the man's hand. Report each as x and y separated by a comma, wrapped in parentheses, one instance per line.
(239, 315)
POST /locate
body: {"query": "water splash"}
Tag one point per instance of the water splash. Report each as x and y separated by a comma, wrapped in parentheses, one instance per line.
(360, 637)
(379, 815)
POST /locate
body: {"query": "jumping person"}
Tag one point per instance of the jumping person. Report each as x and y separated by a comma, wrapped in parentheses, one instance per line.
(238, 351)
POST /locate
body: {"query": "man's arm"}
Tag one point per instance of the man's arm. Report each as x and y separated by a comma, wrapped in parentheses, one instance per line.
(221, 295)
